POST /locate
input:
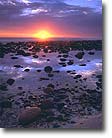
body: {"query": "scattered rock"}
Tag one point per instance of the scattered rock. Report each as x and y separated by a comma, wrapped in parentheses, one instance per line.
(65, 56)
(50, 85)
(14, 57)
(35, 56)
(82, 65)
(77, 76)
(48, 69)
(10, 81)
(62, 59)
(48, 90)
(20, 88)
(27, 70)
(38, 70)
(18, 66)
(71, 62)
(29, 115)
(79, 55)
(3, 87)
(91, 53)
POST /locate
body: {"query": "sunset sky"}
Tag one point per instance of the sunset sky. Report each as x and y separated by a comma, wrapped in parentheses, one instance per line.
(61, 18)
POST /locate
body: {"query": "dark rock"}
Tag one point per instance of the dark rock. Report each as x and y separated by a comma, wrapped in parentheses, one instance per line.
(35, 56)
(48, 90)
(56, 71)
(56, 126)
(27, 70)
(99, 84)
(79, 55)
(3, 87)
(10, 81)
(38, 70)
(63, 64)
(99, 76)
(48, 69)
(2, 55)
(32, 97)
(65, 56)
(48, 59)
(20, 88)
(71, 62)
(14, 57)
(91, 53)
(62, 59)
(69, 71)
(82, 65)
(6, 104)
(50, 85)
(77, 76)
(18, 66)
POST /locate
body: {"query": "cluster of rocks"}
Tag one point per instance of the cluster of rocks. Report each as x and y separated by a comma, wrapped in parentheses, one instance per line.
(29, 48)
(55, 105)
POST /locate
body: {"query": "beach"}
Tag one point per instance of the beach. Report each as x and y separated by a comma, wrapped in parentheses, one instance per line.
(52, 84)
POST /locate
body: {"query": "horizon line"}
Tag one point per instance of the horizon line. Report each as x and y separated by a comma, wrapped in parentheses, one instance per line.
(52, 38)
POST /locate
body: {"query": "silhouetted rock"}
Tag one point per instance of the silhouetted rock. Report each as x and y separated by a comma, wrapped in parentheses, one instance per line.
(82, 65)
(27, 70)
(91, 53)
(14, 57)
(77, 76)
(80, 55)
(17, 66)
(10, 81)
(70, 62)
(48, 69)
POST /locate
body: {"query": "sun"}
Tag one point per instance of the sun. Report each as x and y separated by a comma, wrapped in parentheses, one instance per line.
(43, 35)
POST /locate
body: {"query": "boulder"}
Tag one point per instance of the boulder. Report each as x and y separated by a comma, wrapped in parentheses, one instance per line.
(29, 115)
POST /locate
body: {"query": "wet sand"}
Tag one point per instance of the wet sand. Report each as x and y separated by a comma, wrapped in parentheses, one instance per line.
(60, 81)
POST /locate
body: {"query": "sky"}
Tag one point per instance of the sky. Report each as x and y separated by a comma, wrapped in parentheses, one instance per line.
(61, 18)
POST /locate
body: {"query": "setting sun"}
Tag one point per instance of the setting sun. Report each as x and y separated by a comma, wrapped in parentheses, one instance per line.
(43, 35)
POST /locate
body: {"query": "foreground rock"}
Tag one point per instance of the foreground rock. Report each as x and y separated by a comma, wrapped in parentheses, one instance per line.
(29, 115)
(10, 81)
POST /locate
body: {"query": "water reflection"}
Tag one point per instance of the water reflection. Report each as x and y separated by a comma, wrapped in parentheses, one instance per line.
(88, 70)
(92, 65)
(30, 60)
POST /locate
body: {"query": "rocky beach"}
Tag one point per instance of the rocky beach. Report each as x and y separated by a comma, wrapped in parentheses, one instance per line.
(51, 84)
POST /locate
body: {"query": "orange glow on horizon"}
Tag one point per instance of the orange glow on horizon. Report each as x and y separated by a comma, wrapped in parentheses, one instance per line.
(43, 35)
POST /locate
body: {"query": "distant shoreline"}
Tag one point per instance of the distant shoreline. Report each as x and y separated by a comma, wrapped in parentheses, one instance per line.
(11, 39)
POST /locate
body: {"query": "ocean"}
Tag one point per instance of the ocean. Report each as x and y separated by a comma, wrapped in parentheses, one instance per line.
(36, 39)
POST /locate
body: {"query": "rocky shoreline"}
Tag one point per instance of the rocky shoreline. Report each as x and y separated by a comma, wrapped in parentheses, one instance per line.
(50, 84)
